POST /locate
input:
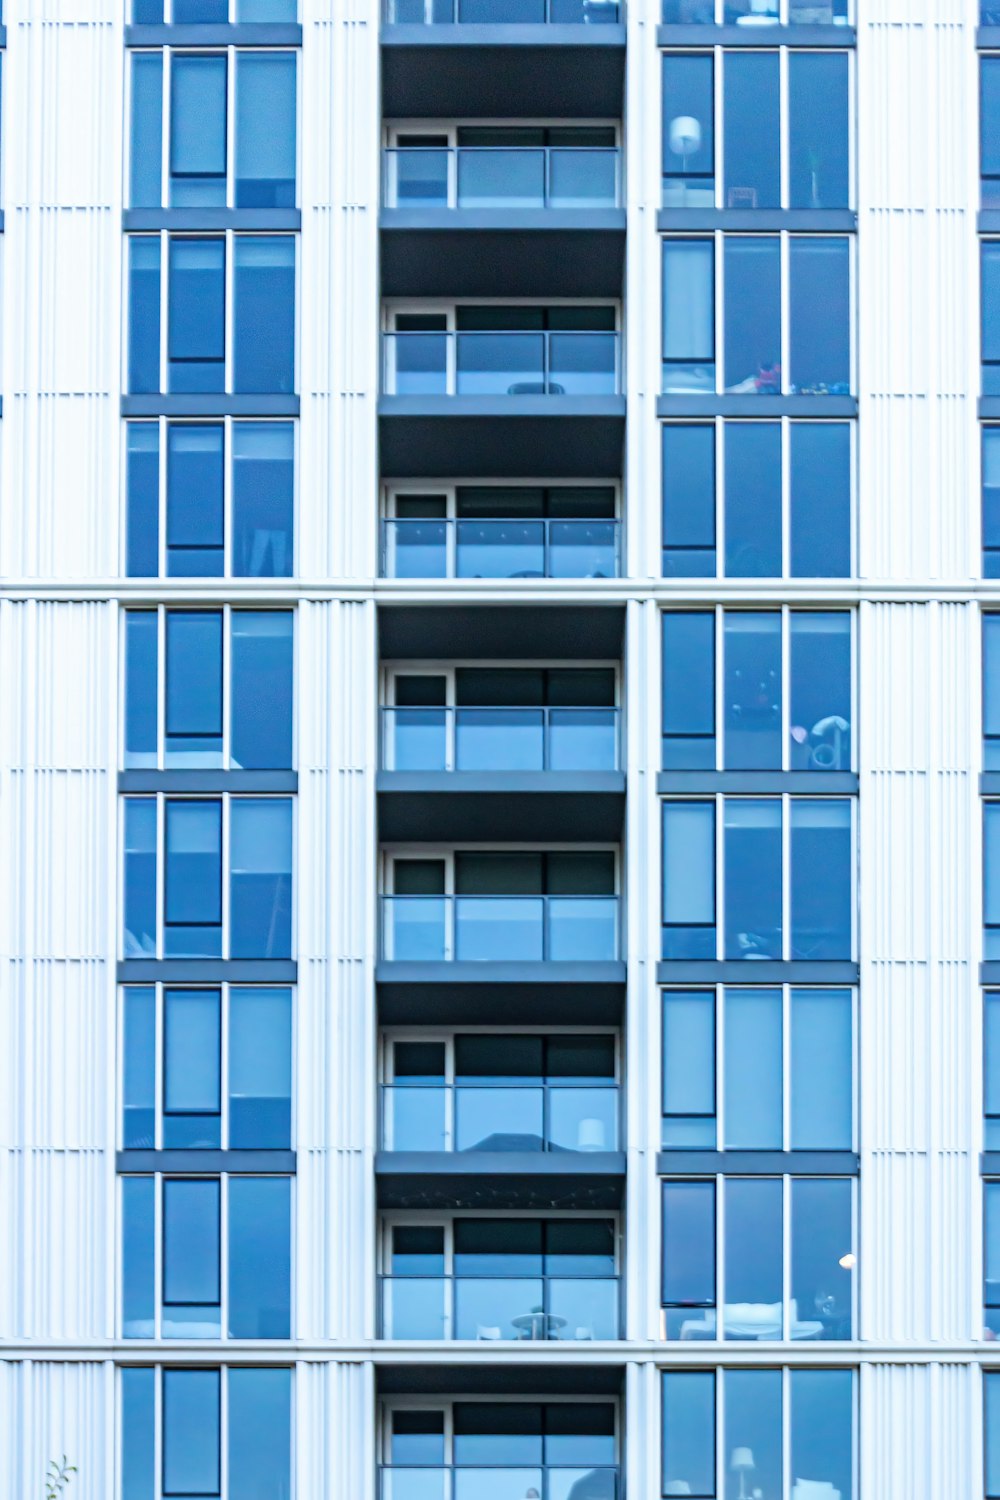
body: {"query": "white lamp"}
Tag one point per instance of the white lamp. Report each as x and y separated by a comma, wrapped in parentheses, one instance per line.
(590, 1135)
(741, 1463)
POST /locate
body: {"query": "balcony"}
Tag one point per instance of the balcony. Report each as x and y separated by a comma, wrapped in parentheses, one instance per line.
(546, 958)
(502, 221)
(502, 59)
(545, 404)
(497, 1483)
(500, 1308)
(463, 1117)
(468, 774)
(500, 547)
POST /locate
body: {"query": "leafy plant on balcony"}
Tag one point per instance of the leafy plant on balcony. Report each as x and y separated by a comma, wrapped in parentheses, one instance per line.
(57, 1477)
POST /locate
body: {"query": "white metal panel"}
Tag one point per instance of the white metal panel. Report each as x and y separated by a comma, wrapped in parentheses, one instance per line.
(51, 1410)
(920, 1432)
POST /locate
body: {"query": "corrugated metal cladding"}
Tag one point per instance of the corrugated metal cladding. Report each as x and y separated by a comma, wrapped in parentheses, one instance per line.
(919, 595)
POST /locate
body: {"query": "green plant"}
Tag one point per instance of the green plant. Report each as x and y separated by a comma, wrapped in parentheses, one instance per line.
(57, 1477)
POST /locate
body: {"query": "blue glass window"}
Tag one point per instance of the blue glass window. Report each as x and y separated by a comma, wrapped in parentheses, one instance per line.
(192, 1046)
(139, 1068)
(991, 692)
(142, 479)
(689, 1434)
(688, 1253)
(751, 140)
(991, 1423)
(822, 1408)
(752, 1247)
(821, 885)
(191, 1409)
(752, 321)
(138, 1429)
(689, 690)
(688, 315)
(689, 1069)
(146, 152)
(752, 840)
(194, 687)
(193, 12)
(141, 707)
(752, 1070)
(822, 1257)
(260, 1068)
(261, 878)
(989, 131)
(259, 1257)
(265, 130)
(140, 877)
(195, 506)
(263, 499)
(264, 314)
(138, 1258)
(753, 499)
(822, 1069)
(688, 131)
(192, 1278)
(198, 130)
(196, 322)
(143, 314)
(261, 688)
(192, 906)
(818, 148)
(991, 502)
(990, 283)
(820, 731)
(820, 500)
(688, 501)
(819, 315)
(260, 1433)
(689, 880)
(751, 691)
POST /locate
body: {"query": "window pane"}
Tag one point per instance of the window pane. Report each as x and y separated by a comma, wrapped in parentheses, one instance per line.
(689, 1433)
(194, 687)
(752, 1442)
(822, 1238)
(689, 690)
(142, 469)
(689, 879)
(753, 499)
(991, 1257)
(688, 317)
(196, 335)
(138, 1433)
(751, 141)
(143, 314)
(822, 1410)
(991, 1418)
(138, 1289)
(688, 501)
(260, 1426)
(261, 878)
(140, 687)
(991, 501)
(752, 323)
(191, 1269)
(820, 484)
(991, 689)
(195, 500)
(265, 130)
(197, 130)
(821, 879)
(753, 879)
(688, 131)
(991, 877)
(139, 1067)
(689, 1259)
(192, 901)
(989, 130)
(990, 277)
(818, 158)
(191, 1042)
(991, 1086)
(260, 1068)
(822, 1071)
(263, 496)
(752, 689)
(264, 313)
(753, 1070)
(140, 877)
(259, 1257)
(191, 1432)
(146, 148)
(262, 688)
(689, 1067)
(820, 316)
(821, 691)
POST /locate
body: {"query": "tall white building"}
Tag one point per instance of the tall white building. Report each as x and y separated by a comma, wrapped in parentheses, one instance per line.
(500, 712)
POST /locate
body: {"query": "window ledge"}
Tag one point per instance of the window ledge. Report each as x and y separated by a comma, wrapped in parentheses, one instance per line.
(207, 970)
(211, 218)
(204, 1161)
(208, 781)
(676, 1163)
(813, 782)
(759, 971)
(247, 34)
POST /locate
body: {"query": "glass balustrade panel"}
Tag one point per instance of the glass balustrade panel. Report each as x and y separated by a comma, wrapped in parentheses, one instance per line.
(499, 1119)
(498, 928)
(498, 1484)
(417, 178)
(501, 179)
(500, 549)
(582, 549)
(414, 1118)
(582, 1310)
(583, 739)
(499, 739)
(416, 364)
(582, 929)
(579, 178)
(583, 1119)
(415, 739)
(416, 549)
(415, 1307)
(416, 1484)
(582, 364)
(503, 1307)
(414, 928)
(500, 364)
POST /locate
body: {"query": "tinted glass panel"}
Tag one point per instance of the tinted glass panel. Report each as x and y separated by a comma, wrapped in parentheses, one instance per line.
(260, 1434)
(818, 156)
(261, 878)
(138, 1416)
(138, 1259)
(198, 130)
(753, 1432)
(753, 879)
(140, 878)
(688, 501)
(820, 482)
(191, 1039)
(822, 1071)
(821, 708)
(753, 1070)
(139, 1068)
(263, 499)
(191, 1432)
(195, 537)
(265, 130)
(688, 131)
(141, 675)
(991, 1419)
(262, 688)
(192, 902)
(264, 314)
(260, 1068)
(689, 1433)
(688, 1255)
(689, 1068)
(259, 1257)
(822, 1238)
(147, 138)
(689, 879)
(142, 470)
(194, 687)
(688, 315)
(821, 1416)
(753, 499)
(989, 136)
(752, 689)
(751, 143)
(196, 340)
(820, 316)
(144, 315)
(689, 690)
(752, 324)
(821, 879)
(191, 1271)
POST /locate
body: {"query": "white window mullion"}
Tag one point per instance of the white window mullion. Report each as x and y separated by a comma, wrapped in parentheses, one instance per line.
(231, 59)
(720, 672)
(230, 302)
(720, 1074)
(720, 877)
(718, 242)
(785, 303)
(159, 1023)
(161, 509)
(226, 687)
(224, 1250)
(167, 126)
(161, 687)
(161, 868)
(786, 497)
(228, 528)
(786, 688)
(719, 425)
(786, 1257)
(158, 1256)
(164, 239)
(786, 872)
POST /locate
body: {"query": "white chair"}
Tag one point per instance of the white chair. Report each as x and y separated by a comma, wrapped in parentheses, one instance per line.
(485, 1331)
(814, 1489)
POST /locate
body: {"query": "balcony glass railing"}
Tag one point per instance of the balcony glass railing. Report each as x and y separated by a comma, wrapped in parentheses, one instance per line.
(501, 12)
(499, 548)
(488, 1308)
(490, 929)
(501, 177)
(509, 1116)
(500, 739)
(501, 364)
(498, 1483)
